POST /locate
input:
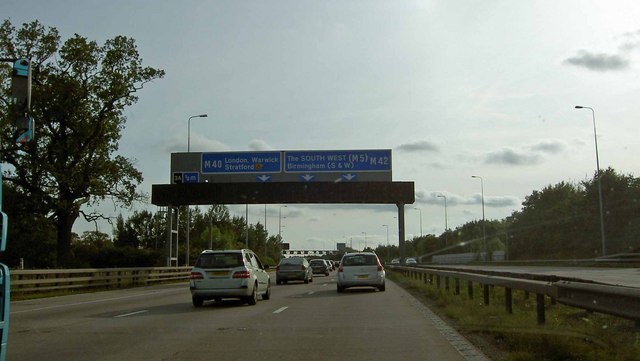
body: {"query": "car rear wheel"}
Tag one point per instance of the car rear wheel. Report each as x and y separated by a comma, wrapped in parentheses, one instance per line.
(340, 289)
(197, 301)
(306, 280)
(382, 288)
(267, 295)
(253, 299)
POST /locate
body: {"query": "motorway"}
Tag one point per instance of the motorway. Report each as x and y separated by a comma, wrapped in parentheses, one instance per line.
(299, 322)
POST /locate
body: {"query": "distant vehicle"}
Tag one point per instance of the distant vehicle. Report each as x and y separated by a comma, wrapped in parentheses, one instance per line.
(329, 264)
(361, 269)
(319, 266)
(395, 261)
(229, 274)
(411, 261)
(292, 269)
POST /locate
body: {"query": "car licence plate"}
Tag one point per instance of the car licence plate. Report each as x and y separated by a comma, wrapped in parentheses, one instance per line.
(218, 273)
(363, 276)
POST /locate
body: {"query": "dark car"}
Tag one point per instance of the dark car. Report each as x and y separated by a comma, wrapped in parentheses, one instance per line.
(320, 266)
(294, 269)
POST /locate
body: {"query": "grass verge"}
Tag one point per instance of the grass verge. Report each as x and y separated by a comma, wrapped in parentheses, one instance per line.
(568, 334)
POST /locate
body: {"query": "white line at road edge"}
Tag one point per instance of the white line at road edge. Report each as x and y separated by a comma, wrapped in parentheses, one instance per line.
(281, 309)
(131, 314)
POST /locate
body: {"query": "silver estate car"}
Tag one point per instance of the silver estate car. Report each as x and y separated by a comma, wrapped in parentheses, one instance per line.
(229, 274)
(361, 269)
(293, 268)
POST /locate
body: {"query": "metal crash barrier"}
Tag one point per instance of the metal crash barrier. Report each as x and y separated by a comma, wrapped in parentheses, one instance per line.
(612, 300)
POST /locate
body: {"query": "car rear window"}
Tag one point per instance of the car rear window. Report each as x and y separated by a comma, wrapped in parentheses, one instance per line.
(220, 260)
(360, 260)
(291, 261)
(318, 262)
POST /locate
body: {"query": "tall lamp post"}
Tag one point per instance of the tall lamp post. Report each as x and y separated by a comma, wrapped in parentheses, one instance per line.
(189, 150)
(387, 227)
(595, 137)
(280, 223)
(484, 234)
(365, 241)
(446, 222)
(420, 210)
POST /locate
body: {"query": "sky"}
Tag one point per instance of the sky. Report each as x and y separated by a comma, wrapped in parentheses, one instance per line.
(453, 88)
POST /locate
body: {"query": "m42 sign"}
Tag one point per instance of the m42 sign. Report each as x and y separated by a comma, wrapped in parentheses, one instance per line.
(337, 161)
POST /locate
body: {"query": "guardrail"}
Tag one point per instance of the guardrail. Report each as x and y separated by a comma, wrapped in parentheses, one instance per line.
(612, 300)
(30, 281)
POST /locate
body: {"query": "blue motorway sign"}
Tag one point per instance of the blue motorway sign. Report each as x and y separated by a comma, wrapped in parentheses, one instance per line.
(241, 162)
(190, 177)
(337, 161)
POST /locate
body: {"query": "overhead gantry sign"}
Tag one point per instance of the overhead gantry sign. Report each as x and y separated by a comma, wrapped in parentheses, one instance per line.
(283, 177)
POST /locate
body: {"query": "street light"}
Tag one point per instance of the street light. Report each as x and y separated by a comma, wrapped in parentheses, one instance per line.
(280, 223)
(387, 227)
(189, 150)
(420, 210)
(595, 137)
(446, 225)
(365, 240)
(484, 235)
(189, 129)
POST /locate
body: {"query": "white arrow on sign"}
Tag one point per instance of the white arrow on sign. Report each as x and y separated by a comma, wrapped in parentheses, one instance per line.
(349, 177)
(307, 177)
(264, 178)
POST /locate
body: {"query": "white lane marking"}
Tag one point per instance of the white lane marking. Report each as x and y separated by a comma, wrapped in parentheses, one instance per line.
(281, 309)
(96, 301)
(131, 314)
(324, 284)
(311, 292)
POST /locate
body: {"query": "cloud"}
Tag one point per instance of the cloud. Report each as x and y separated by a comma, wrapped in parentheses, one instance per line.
(631, 41)
(598, 61)
(601, 62)
(197, 143)
(528, 154)
(510, 156)
(259, 145)
(549, 146)
(496, 201)
(419, 146)
(431, 198)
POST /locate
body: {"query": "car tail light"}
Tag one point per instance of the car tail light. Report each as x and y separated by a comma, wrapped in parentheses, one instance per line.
(242, 274)
(277, 268)
(304, 268)
(341, 268)
(379, 266)
(196, 276)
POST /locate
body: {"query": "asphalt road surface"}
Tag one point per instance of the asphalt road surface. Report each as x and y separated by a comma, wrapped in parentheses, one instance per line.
(300, 322)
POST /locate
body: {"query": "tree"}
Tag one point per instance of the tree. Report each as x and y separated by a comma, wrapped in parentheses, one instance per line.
(78, 99)
(550, 225)
(621, 196)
